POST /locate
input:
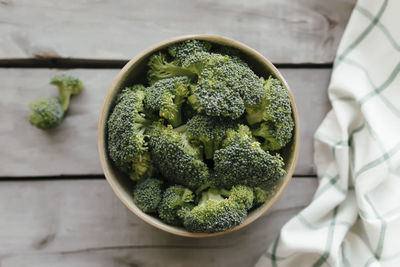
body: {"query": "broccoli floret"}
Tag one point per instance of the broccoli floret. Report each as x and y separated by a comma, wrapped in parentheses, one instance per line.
(260, 196)
(174, 198)
(243, 195)
(274, 114)
(67, 86)
(182, 50)
(46, 112)
(208, 132)
(127, 125)
(275, 135)
(160, 68)
(148, 194)
(215, 213)
(224, 86)
(167, 96)
(178, 161)
(242, 161)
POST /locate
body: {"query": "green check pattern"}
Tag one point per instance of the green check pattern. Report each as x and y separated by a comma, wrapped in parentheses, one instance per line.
(354, 218)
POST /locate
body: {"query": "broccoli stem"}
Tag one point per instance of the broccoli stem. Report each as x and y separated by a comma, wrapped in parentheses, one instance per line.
(254, 116)
(211, 194)
(181, 129)
(208, 149)
(169, 71)
(65, 97)
(176, 119)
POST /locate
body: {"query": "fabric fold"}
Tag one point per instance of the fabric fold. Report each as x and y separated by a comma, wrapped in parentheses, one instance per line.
(354, 218)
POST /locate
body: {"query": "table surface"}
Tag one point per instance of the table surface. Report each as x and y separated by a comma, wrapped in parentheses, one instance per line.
(56, 207)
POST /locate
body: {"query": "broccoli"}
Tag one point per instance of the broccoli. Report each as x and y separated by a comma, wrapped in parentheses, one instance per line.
(274, 115)
(208, 131)
(174, 198)
(160, 69)
(181, 51)
(260, 196)
(209, 128)
(46, 112)
(243, 195)
(215, 213)
(67, 86)
(242, 161)
(177, 160)
(148, 194)
(126, 128)
(275, 135)
(167, 96)
(224, 85)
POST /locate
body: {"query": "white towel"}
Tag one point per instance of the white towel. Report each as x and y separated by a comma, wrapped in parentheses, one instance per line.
(354, 218)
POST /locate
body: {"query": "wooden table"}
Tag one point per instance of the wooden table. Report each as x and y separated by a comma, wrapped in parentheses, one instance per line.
(56, 207)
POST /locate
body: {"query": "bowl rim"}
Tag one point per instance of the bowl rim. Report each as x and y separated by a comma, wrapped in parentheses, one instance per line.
(101, 143)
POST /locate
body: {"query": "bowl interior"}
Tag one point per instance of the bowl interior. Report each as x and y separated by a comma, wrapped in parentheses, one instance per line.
(135, 72)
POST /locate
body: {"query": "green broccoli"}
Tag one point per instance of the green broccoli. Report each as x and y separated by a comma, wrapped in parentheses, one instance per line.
(274, 114)
(242, 161)
(177, 160)
(206, 125)
(224, 86)
(46, 112)
(148, 194)
(215, 213)
(167, 96)
(174, 198)
(208, 132)
(275, 135)
(182, 50)
(160, 68)
(67, 86)
(260, 196)
(126, 128)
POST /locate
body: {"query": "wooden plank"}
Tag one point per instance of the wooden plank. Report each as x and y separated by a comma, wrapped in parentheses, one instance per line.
(283, 30)
(82, 223)
(71, 149)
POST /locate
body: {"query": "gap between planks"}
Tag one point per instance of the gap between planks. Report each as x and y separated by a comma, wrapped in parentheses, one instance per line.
(87, 177)
(73, 63)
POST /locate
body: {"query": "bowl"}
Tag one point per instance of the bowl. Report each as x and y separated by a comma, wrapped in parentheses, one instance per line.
(134, 72)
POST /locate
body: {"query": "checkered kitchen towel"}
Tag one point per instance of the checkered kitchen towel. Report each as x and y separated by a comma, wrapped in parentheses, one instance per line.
(354, 218)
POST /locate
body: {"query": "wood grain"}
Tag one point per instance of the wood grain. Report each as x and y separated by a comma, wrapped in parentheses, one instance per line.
(284, 31)
(71, 149)
(82, 223)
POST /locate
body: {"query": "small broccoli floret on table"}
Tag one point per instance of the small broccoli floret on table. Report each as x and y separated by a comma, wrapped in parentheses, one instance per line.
(242, 161)
(178, 160)
(274, 115)
(126, 131)
(208, 132)
(175, 198)
(216, 213)
(148, 194)
(167, 97)
(46, 112)
(67, 86)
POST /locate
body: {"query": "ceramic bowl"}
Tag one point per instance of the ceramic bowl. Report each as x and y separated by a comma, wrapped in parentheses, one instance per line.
(135, 72)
